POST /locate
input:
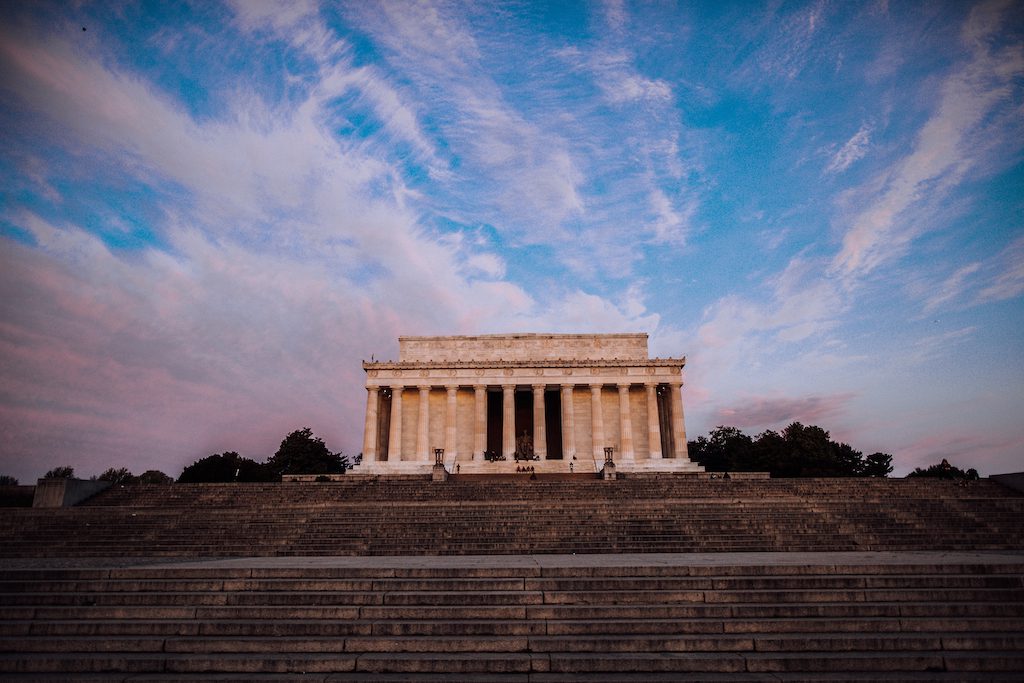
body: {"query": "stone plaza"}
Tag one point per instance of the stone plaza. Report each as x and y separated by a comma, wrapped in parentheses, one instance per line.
(552, 402)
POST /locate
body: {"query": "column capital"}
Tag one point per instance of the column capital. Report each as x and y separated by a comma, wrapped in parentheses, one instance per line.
(596, 386)
(675, 383)
(372, 389)
(451, 388)
(508, 387)
(539, 387)
(423, 387)
(623, 386)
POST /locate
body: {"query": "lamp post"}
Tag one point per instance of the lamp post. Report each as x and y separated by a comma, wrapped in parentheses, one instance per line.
(439, 456)
(608, 450)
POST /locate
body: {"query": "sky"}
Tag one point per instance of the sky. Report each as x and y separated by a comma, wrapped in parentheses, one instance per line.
(210, 214)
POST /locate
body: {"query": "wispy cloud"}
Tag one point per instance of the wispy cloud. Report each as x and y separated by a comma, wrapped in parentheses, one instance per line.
(943, 151)
(768, 412)
(1009, 281)
(952, 287)
(853, 150)
(933, 346)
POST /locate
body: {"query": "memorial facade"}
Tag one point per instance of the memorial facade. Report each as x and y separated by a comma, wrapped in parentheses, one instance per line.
(553, 402)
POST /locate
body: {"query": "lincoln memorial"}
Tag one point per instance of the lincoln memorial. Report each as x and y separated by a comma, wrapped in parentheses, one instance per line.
(552, 402)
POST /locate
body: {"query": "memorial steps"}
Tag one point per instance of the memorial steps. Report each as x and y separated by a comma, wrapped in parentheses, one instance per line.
(518, 614)
(516, 623)
(520, 516)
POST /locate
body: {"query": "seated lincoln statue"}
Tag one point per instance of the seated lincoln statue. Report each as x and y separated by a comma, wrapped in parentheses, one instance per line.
(524, 448)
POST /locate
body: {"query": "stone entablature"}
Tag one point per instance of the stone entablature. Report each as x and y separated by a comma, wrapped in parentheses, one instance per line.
(529, 347)
(564, 398)
(557, 372)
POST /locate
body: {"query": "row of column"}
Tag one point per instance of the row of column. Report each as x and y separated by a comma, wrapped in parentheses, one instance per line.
(508, 435)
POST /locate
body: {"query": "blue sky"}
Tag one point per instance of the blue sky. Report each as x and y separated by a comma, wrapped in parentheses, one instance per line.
(210, 213)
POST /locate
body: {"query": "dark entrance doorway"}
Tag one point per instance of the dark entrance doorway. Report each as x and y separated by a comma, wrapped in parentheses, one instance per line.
(384, 425)
(524, 416)
(494, 404)
(553, 423)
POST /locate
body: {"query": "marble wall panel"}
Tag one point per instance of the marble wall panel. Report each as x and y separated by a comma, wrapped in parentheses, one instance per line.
(610, 414)
(582, 423)
(410, 413)
(638, 418)
(438, 408)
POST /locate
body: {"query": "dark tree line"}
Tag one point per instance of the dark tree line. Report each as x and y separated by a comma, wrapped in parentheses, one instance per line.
(300, 453)
(796, 451)
(944, 470)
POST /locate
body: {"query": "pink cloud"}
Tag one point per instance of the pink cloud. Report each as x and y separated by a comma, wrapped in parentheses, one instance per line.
(766, 412)
(985, 452)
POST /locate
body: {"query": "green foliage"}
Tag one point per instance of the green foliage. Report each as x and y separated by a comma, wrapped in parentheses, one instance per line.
(944, 470)
(8, 480)
(722, 450)
(303, 453)
(64, 472)
(118, 476)
(224, 467)
(877, 465)
(300, 453)
(799, 451)
(154, 477)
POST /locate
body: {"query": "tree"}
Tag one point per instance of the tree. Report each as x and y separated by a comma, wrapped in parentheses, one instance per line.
(223, 467)
(154, 477)
(117, 477)
(877, 465)
(726, 448)
(944, 470)
(799, 451)
(63, 472)
(8, 480)
(303, 453)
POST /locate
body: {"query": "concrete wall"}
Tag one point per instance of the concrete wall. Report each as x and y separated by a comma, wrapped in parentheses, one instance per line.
(58, 493)
(1014, 480)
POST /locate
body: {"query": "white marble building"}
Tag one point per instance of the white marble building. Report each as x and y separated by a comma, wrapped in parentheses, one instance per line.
(490, 400)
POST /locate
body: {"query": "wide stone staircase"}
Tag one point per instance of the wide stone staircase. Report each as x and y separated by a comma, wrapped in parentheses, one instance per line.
(553, 622)
(673, 578)
(415, 516)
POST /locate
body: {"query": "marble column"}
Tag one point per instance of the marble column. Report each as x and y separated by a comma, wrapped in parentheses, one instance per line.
(568, 431)
(479, 422)
(540, 439)
(678, 425)
(597, 422)
(625, 424)
(423, 427)
(508, 420)
(370, 426)
(653, 432)
(450, 420)
(395, 431)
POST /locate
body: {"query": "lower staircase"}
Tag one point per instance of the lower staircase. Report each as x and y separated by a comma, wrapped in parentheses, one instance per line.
(559, 620)
(660, 579)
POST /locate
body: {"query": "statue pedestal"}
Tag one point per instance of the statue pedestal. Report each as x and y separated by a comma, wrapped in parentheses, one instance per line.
(608, 473)
(439, 473)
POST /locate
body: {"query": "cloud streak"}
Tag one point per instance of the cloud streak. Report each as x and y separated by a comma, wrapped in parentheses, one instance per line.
(943, 151)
